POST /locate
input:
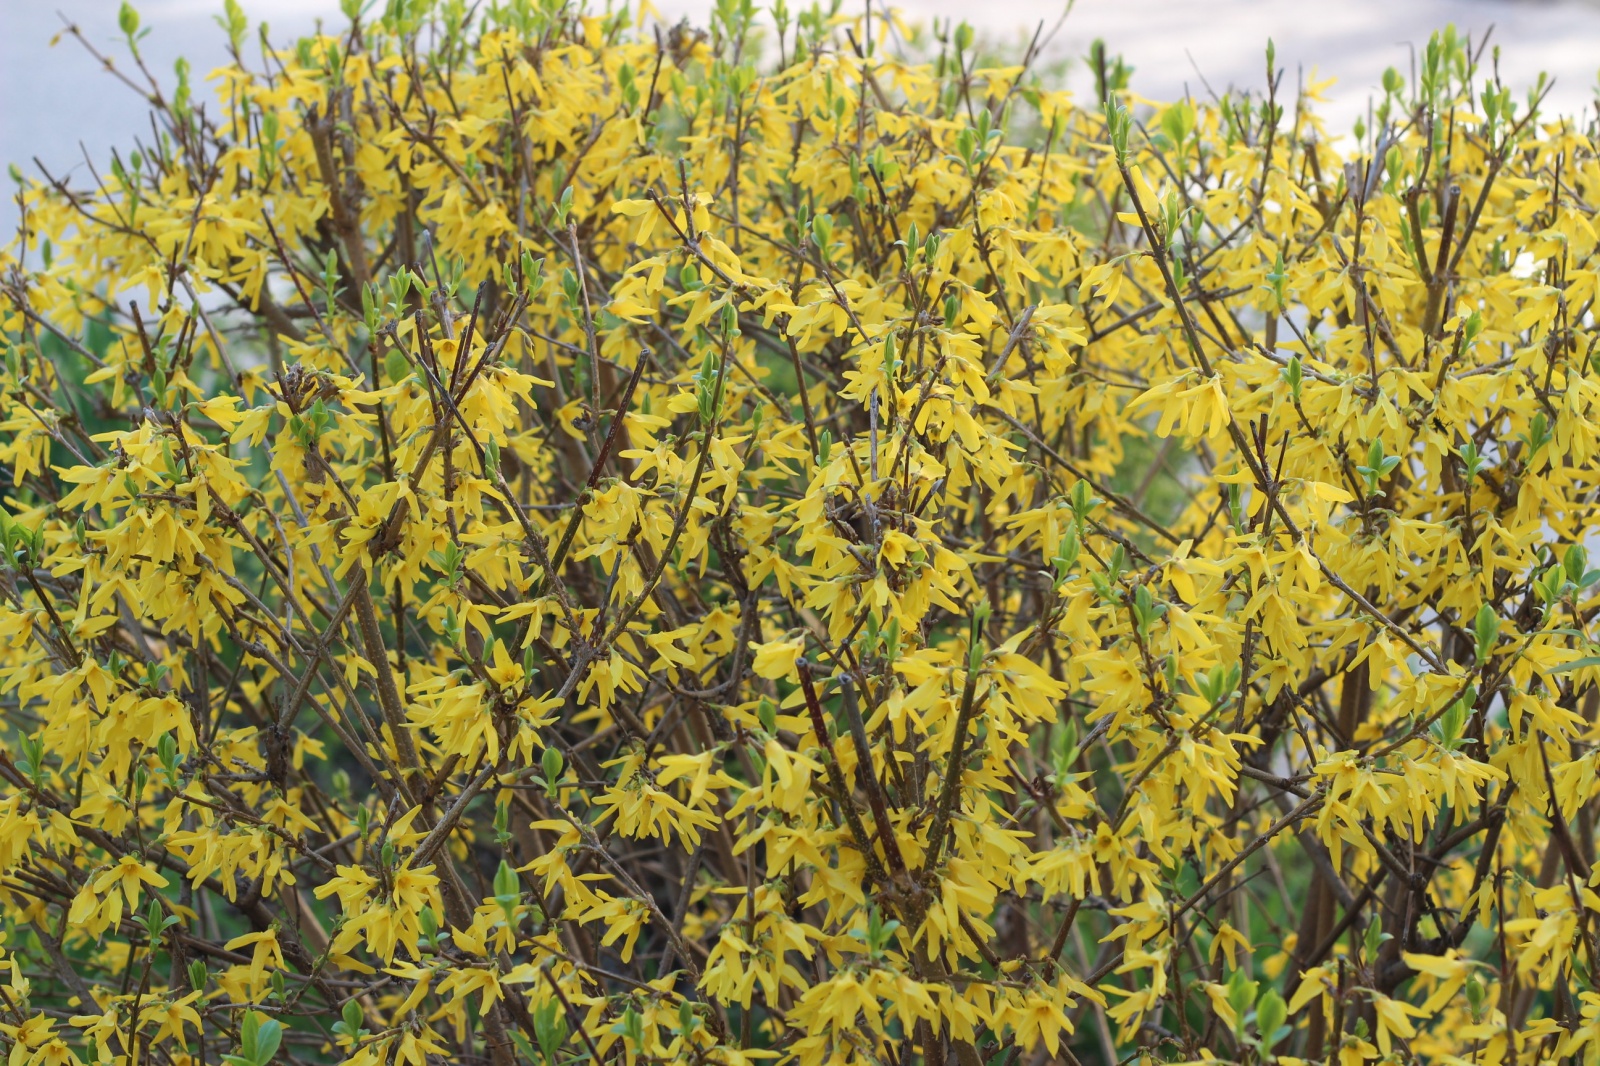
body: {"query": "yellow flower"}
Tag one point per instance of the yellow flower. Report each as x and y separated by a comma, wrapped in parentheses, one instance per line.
(129, 874)
(266, 953)
(410, 446)
(775, 659)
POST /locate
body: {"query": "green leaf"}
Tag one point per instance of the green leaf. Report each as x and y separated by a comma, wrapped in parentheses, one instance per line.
(1241, 994)
(1486, 628)
(268, 1037)
(249, 1033)
(507, 886)
(1271, 1013)
(550, 1027)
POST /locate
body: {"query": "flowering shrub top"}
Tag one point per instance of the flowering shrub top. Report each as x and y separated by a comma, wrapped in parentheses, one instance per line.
(536, 539)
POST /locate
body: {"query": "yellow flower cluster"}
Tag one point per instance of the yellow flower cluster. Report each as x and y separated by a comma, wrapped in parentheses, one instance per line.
(536, 537)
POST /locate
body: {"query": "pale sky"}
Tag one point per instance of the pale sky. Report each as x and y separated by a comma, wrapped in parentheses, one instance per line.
(53, 99)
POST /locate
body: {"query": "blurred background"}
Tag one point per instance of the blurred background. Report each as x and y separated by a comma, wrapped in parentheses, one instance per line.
(56, 104)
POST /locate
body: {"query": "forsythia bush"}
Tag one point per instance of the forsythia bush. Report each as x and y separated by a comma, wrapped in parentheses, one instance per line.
(537, 538)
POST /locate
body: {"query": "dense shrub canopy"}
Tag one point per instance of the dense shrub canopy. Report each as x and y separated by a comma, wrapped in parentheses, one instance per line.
(537, 537)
